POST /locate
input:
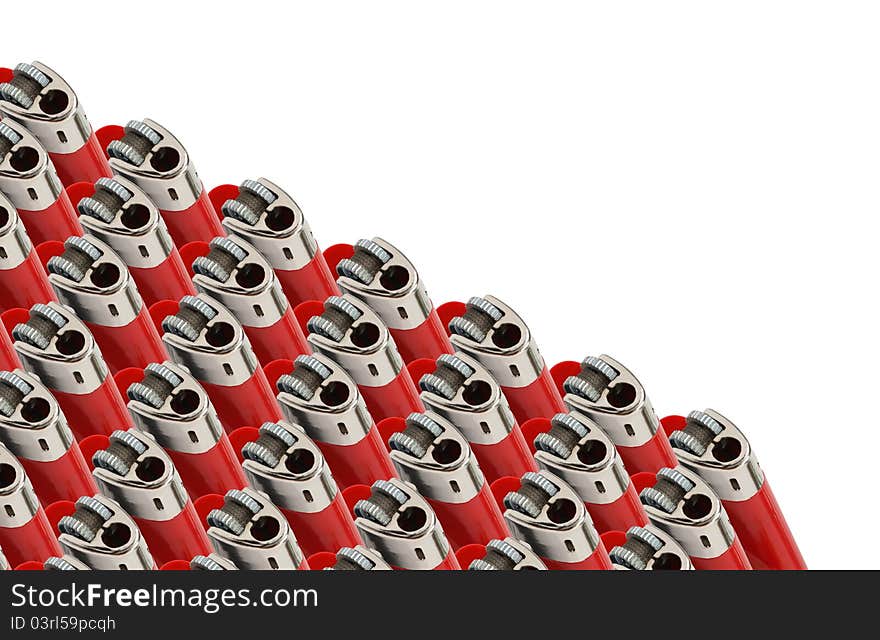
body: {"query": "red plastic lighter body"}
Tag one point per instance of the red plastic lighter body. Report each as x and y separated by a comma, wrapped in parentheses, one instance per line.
(119, 213)
(545, 512)
(734, 559)
(281, 461)
(349, 332)
(42, 101)
(609, 394)
(55, 222)
(100, 412)
(23, 281)
(478, 520)
(396, 399)
(219, 354)
(138, 474)
(434, 456)
(180, 538)
(493, 334)
(66, 478)
(463, 391)
(56, 346)
(86, 164)
(267, 217)
(167, 175)
(574, 448)
(319, 396)
(25, 532)
(714, 448)
(234, 273)
(185, 424)
(326, 530)
(359, 463)
(379, 274)
(136, 344)
(91, 278)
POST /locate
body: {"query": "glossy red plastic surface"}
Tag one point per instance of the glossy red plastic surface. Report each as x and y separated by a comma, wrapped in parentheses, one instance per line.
(509, 457)
(360, 463)
(652, 456)
(25, 285)
(217, 470)
(428, 340)
(326, 530)
(312, 282)
(449, 564)
(468, 553)
(559, 372)
(34, 540)
(764, 533)
(198, 222)
(249, 403)
(8, 358)
(136, 344)
(101, 411)
(282, 340)
(180, 538)
(168, 280)
(315, 281)
(88, 163)
(321, 560)
(398, 398)
(540, 399)
(449, 310)
(625, 512)
(66, 478)
(734, 559)
(58, 221)
(476, 521)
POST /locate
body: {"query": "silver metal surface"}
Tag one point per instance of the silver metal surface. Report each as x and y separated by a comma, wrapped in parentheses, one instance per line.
(188, 335)
(27, 175)
(685, 507)
(32, 425)
(380, 275)
(57, 347)
(715, 449)
(41, 100)
(286, 465)
(508, 555)
(492, 333)
(4, 563)
(353, 335)
(464, 392)
(235, 274)
(137, 473)
(359, 558)
(212, 562)
(432, 455)
(547, 514)
(400, 525)
(172, 406)
(90, 278)
(610, 395)
(319, 396)
(121, 215)
(18, 502)
(578, 451)
(251, 532)
(102, 535)
(146, 154)
(65, 563)
(649, 549)
(268, 218)
(15, 245)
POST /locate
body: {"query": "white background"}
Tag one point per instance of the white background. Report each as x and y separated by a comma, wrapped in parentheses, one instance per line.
(687, 187)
